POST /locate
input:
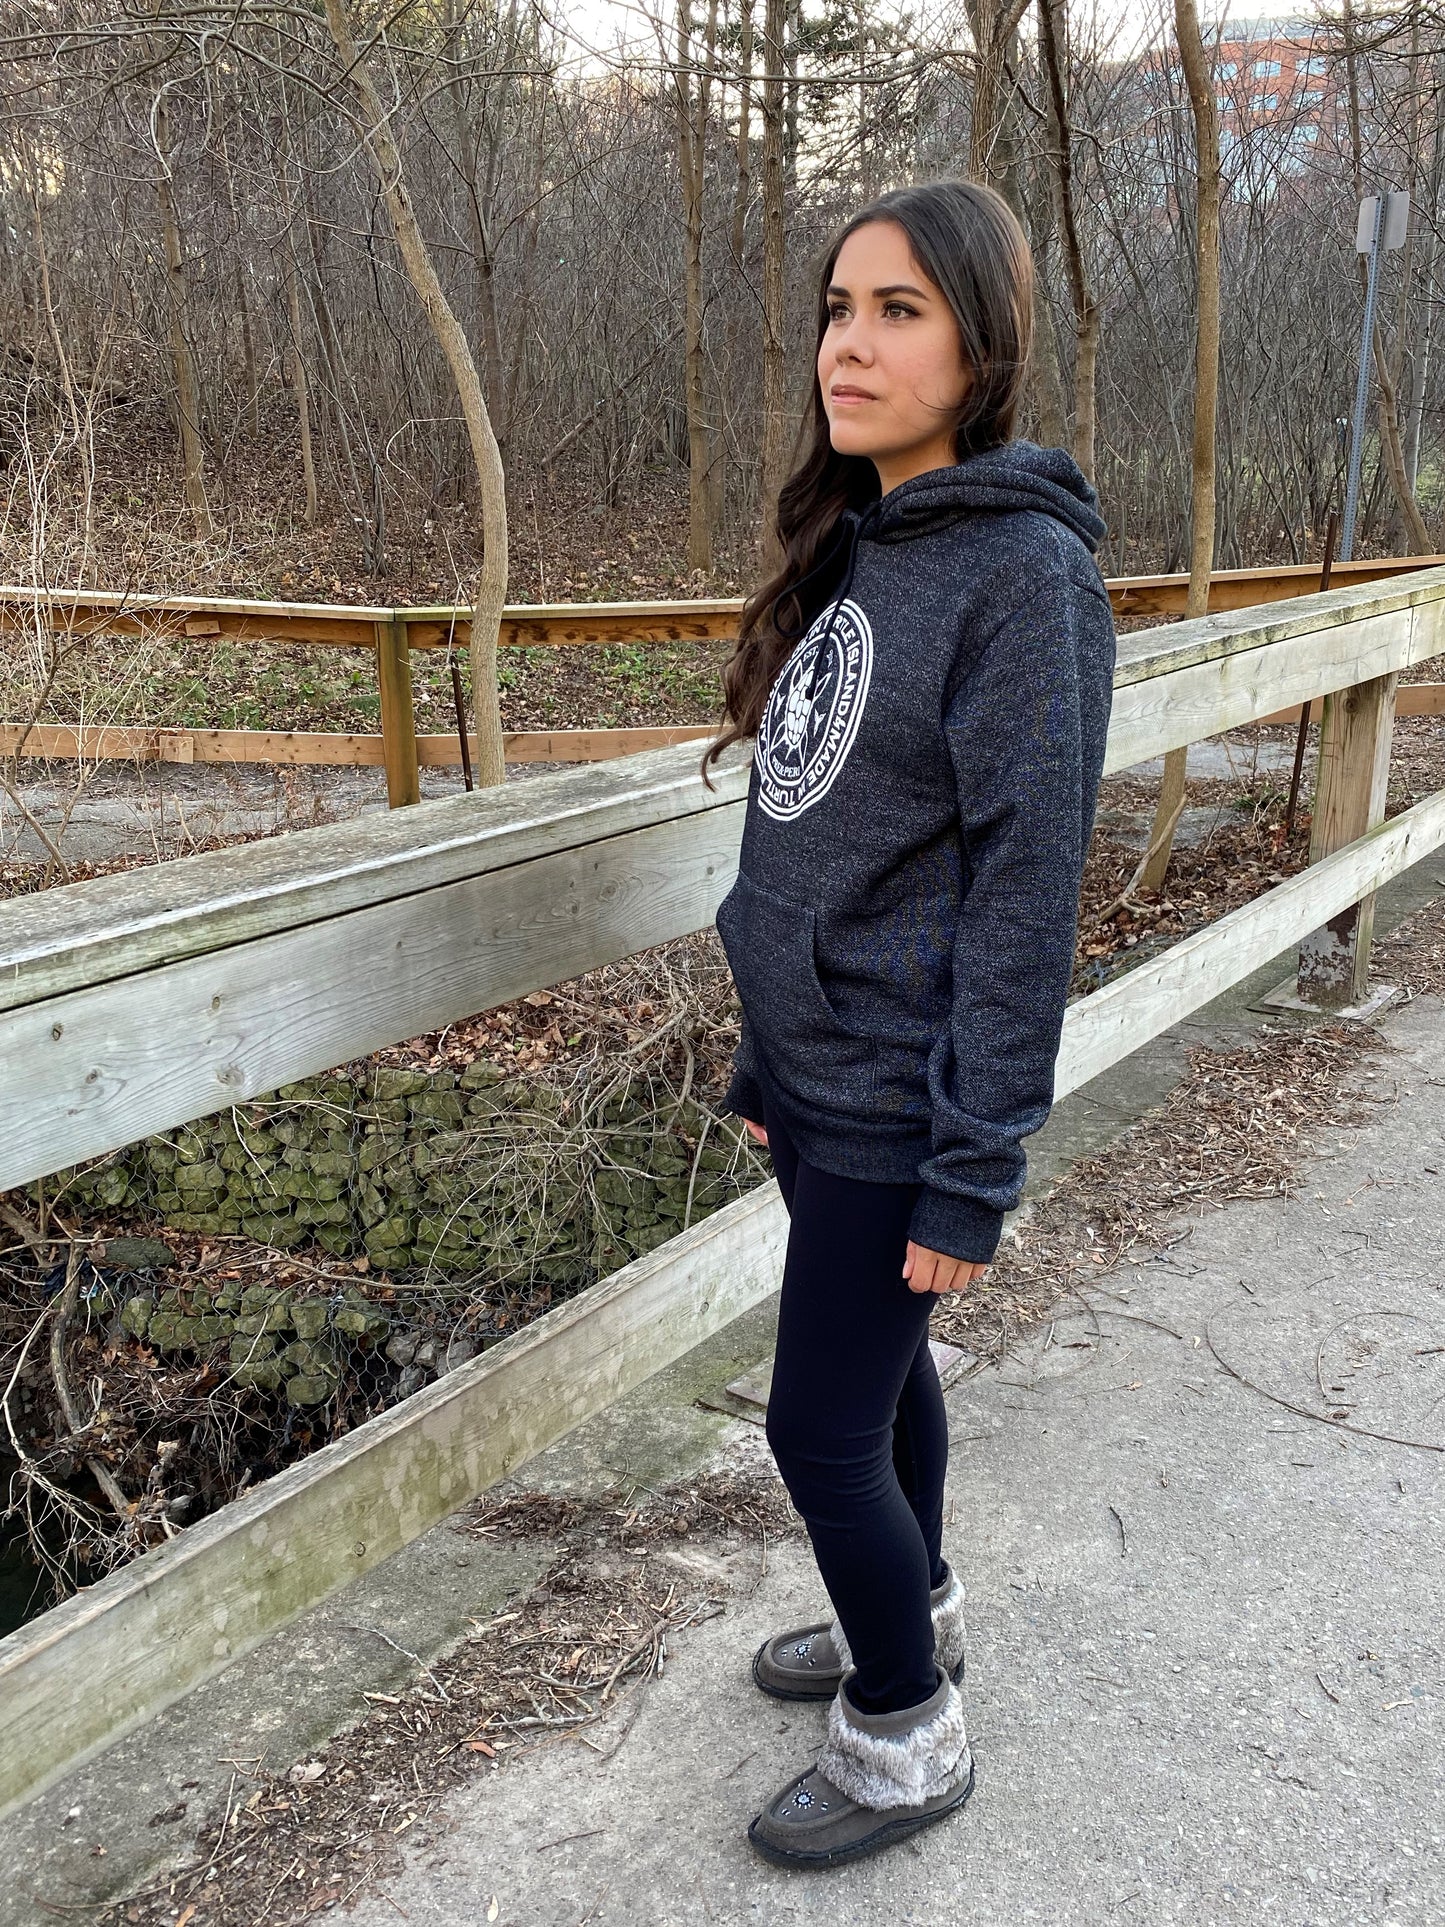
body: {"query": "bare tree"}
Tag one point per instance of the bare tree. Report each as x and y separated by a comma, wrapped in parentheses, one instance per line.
(1052, 33)
(375, 125)
(1199, 78)
(692, 88)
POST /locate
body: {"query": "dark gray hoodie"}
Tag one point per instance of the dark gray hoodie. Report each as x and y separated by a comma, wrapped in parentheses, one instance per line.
(922, 795)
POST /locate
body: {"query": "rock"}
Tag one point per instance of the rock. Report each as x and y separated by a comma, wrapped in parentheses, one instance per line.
(306, 1390)
(444, 1107)
(249, 1351)
(411, 1380)
(137, 1254)
(332, 1164)
(200, 1177)
(136, 1316)
(460, 1348)
(361, 1321)
(311, 1360)
(161, 1332)
(389, 1083)
(310, 1316)
(401, 1349)
(480, 1075)
(264, 1374)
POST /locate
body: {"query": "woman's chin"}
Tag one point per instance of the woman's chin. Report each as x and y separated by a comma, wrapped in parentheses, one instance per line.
(852, 438)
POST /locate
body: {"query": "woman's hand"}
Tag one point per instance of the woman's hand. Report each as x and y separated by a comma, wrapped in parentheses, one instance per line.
(756, 1130)
(935, 1271)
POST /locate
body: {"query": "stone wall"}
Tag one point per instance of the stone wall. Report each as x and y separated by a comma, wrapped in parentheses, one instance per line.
(467, 1181)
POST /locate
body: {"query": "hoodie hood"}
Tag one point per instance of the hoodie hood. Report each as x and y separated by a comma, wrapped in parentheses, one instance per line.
(1018, 475)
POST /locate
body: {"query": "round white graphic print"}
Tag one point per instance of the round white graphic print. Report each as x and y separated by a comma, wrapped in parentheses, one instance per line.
(809, 727)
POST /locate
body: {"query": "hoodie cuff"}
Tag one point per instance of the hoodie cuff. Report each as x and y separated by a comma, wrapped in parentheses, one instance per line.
(960, 1227)
(744, 1097)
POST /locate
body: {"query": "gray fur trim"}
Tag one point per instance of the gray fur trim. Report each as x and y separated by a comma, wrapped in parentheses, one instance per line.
(883, 1770)
(948, 1629)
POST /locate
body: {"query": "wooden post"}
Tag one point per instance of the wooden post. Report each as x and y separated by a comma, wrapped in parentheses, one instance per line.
(1350, 787)
(398, 722)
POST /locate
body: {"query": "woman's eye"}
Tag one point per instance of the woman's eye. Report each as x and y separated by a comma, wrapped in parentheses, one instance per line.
(836, 311)
(897, 307)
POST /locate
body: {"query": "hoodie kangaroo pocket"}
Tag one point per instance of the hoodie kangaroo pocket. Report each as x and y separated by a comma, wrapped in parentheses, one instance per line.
(807, 1052)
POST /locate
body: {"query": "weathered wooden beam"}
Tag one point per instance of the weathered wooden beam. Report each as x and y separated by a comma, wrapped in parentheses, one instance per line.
(117, 1061)
(1164, 595)
(94, 931)
(398, 720)
(1351, 781)
(1105, 1026)
(532, 625)
(1411, 699)
(216, 618)
(325, 748)
(1198, 678)
(83, 1674)
(567, 745)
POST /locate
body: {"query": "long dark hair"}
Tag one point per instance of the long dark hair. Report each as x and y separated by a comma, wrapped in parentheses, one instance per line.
(967, 241)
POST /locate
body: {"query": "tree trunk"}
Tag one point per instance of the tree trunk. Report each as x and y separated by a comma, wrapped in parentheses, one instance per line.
(744, 149)
(243, 292)
(1391, 451)
(375, 127)
(1199, 76)
(300, 381)
(691, 98)
(993, 24)
(183, 361)
(774, 454)
(1052, 23)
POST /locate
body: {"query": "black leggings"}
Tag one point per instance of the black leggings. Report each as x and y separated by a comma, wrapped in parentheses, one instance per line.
(856, 1419)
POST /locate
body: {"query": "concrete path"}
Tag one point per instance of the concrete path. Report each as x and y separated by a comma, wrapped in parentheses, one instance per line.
(1204, 1667)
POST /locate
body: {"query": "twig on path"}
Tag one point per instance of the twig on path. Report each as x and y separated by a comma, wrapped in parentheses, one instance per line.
(1322, 1418)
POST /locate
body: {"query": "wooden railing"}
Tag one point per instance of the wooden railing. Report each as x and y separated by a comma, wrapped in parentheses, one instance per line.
(392, 634)
(131, 1004)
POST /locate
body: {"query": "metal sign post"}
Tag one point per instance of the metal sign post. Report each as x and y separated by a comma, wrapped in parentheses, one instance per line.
(1379, 229)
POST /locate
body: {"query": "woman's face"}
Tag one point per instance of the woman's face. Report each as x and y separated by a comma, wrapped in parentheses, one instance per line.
(890, 358)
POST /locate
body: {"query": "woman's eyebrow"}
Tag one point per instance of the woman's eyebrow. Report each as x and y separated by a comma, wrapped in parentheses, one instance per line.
(880, 294)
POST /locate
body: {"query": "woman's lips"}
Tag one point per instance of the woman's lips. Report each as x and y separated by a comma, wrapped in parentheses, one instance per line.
(847, 397)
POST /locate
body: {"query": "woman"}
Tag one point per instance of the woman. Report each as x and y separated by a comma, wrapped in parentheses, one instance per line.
(928, 678)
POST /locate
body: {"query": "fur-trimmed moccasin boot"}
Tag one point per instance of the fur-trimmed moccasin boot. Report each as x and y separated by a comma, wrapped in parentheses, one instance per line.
(879, 1777)
(810, 1662)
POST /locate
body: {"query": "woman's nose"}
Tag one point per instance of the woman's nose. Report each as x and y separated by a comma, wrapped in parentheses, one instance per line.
(854, 344)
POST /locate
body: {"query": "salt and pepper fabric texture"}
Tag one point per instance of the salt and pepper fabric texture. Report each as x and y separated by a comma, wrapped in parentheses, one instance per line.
(923, 790)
